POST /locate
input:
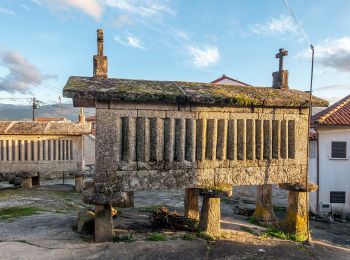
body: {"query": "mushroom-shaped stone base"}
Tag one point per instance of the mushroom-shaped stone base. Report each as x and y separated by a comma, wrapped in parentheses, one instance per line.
(29, 179)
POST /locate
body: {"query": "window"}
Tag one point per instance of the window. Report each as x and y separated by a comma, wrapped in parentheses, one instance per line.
(339, 150)
(337, 196)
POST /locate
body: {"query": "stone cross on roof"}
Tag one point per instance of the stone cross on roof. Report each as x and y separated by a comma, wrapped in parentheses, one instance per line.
(282, 52)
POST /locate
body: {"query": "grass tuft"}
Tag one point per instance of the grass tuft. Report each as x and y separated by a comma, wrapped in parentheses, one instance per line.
(126, 238)
(188, 237)
(205, 235)
(156, 236)
(273, 232)
(17, 211)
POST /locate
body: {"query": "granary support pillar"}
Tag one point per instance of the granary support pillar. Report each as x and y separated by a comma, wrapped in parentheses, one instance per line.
(27, 183)
(103, 223)
(210, 215)
(79, 183)
(191, 203)
(264, 206)
(296, 221)
(29, 179)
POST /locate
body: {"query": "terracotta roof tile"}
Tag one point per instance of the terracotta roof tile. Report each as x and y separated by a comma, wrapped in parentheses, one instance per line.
(336, 114)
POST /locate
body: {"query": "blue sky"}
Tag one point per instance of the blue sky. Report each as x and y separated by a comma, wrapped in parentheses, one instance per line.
(199, 40)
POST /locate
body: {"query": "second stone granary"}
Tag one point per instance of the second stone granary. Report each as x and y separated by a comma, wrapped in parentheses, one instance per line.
(34, 150)
(169, 135)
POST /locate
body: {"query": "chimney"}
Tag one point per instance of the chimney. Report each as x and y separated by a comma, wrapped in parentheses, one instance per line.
(280, 77)
(100, 61)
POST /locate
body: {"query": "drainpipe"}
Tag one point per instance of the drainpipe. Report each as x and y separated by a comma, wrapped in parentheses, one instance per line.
(318, 171)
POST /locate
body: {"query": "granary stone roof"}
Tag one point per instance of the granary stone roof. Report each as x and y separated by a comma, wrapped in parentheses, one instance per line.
(43, 128)
(185, 92)
(336, 114)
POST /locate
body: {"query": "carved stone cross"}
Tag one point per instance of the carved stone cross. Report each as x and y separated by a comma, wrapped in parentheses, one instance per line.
(280, 55)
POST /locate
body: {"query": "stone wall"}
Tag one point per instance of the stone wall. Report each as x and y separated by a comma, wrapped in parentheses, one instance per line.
(147, 147)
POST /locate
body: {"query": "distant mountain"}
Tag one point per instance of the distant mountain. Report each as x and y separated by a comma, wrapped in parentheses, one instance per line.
(24, 112)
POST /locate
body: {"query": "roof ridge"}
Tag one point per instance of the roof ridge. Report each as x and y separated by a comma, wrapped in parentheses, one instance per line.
(338, 105)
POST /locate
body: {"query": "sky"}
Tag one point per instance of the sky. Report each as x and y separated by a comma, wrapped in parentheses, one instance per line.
(43, 42)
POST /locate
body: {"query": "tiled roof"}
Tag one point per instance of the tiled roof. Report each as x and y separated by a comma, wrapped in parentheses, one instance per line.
(91, 118)
(49, 119)
(185, 93)
(223, 77)
(336, 114)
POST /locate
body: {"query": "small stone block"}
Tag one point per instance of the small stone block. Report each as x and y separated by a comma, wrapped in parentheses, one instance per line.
(191, 203)
(301, 187)
(79, 183)
(103, 223)
(27, 183)
(210, 216)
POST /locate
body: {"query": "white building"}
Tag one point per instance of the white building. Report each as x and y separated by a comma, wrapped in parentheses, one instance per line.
(329, 157)
(230, 81)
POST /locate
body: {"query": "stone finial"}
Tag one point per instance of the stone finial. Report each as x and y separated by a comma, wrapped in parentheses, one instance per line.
(280, 77)
(81, 116)
(100, 61)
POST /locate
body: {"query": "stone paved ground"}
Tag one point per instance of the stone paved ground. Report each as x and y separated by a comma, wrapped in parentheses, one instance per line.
(48, 235)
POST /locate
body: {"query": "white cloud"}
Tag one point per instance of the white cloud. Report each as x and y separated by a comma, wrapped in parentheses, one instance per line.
(281, 24)
(122, 20)
(22, 75)
(144, 8)
(6, 11)
(205, 57)
(131, 41)
(332, 53)
(93, 8)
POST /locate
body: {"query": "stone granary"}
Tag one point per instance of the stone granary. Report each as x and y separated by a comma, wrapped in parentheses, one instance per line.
(199, 137)
(34, 150)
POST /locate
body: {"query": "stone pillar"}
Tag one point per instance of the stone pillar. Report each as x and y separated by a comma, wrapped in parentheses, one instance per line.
(191, 204)
(103, 223)
(27, 183)
(297, 215)
(296, 221)
(264, 207)
(210, 215)
(79, 182)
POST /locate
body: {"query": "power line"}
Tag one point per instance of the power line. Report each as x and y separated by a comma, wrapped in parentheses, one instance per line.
(296, 21)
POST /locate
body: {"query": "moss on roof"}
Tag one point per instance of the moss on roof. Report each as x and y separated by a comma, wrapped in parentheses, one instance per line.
(185, 92)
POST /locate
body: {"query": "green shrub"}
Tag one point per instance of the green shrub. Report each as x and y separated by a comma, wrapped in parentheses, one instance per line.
(15, 212)
(156, 236)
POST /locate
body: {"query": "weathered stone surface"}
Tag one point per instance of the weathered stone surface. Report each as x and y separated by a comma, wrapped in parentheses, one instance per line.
(191, 203)
(79, 183)
(296, 221)
(85, 223)
(103, 223)
(280, 79)
(184, 92)
(27, 183)
(299, 186)
(264, 207)
(210, 216)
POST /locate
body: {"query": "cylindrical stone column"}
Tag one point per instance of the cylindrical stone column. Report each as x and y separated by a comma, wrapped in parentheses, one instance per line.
(27, 183)
(264, 206)
(191, 204)
(210, 216)
(103, 223)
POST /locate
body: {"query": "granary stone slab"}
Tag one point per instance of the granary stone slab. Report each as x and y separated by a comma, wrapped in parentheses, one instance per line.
(221, 109)
(299, 187)
(184, 92)
(182, 114)
(120, 105)
(151, 113)
(43, 128)
(27, 174)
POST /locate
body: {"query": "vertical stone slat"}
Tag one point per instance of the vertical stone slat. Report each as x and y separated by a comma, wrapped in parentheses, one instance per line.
(266, 140)
(26, 150)
(71, 150)
(2, 150)
(140, 139)
(7, 150)
(291, 139)
(157, 139)
(241, 139)
(284, 139)
(147, 139)
(190, 140)
(230, 154)
(201, 130)
(211, 139)
(9, 153)
(250, 139)
(179, 139)
(169, 138)
(67, 150)
(14, 150)
(275, 139)
(258, 139)
(118, 139)
(22, 151)
(128, 139)
(221, 140)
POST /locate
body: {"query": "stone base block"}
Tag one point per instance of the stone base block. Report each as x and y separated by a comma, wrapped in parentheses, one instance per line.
(264, 206)
(27, 183)
(210, 216)
(191, 203)
(103, 223)
(296, 221)
(79, 183)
